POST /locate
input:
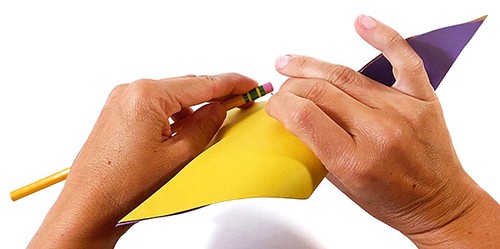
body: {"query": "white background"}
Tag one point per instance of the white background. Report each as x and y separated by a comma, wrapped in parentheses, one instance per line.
(59, 60)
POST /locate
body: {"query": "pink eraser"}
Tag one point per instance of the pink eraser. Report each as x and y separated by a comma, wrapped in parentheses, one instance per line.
(268, 87)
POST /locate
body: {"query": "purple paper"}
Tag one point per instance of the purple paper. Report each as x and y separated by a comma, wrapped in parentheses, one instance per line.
(438, 50)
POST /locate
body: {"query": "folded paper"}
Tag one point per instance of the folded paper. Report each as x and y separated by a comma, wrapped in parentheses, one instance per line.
(253, 155)
(438, 50)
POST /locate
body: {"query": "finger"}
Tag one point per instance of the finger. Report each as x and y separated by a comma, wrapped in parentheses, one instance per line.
(180, 77)
(183, 113)
(193, 91)
(350, 81)
(329, 142)
(178, 119)
(244, 106)
(339, 106)
(408, 67)
(196, 132)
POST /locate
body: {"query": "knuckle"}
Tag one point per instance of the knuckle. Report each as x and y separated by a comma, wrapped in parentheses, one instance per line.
(141, 96)
(341, 75)
(211, 82)
(140, 88)
(316, 90)
(301, 117)
(119, 88)
(394, 39)
(389, 136)
(117, 91)
(301, 63)
(415, 64)
(234, 74)
(209, 79)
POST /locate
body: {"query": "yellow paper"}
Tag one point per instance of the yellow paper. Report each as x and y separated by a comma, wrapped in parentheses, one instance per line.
(253, 155)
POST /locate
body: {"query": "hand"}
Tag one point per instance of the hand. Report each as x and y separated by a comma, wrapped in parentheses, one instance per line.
(387, 148)
(132, 151)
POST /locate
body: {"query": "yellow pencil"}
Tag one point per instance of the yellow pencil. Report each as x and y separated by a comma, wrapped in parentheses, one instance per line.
(39, 185)
(249, 96)
(61, 175)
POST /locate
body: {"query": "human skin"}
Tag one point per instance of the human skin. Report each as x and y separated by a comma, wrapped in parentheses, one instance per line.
(131, 152)
(387, 148)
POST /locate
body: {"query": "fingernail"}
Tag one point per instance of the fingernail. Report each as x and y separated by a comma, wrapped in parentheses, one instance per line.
(367, 22)
(282, 61)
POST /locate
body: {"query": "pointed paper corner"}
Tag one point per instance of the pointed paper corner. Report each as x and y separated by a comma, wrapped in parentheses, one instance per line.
(480, 18)
(438, 49)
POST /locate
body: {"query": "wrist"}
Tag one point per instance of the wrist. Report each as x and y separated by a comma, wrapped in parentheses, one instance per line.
(473, 224)
(80, 218)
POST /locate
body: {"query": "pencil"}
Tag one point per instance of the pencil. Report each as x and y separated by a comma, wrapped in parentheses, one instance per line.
(39, 185)
(249, 96)
(61, 175)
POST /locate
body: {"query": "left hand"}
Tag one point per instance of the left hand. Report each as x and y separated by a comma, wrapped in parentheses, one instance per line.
(132, 151)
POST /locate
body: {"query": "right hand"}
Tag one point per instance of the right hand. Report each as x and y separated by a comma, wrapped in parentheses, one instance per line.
(387, 148)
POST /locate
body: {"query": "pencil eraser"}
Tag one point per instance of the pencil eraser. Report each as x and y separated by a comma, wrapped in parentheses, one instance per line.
(268, 87)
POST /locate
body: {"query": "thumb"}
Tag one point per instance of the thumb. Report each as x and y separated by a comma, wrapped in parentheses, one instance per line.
(196, 132)
(408, 67)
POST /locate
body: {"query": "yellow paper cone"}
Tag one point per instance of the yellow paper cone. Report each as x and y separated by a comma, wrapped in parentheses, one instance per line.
(253, 155)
